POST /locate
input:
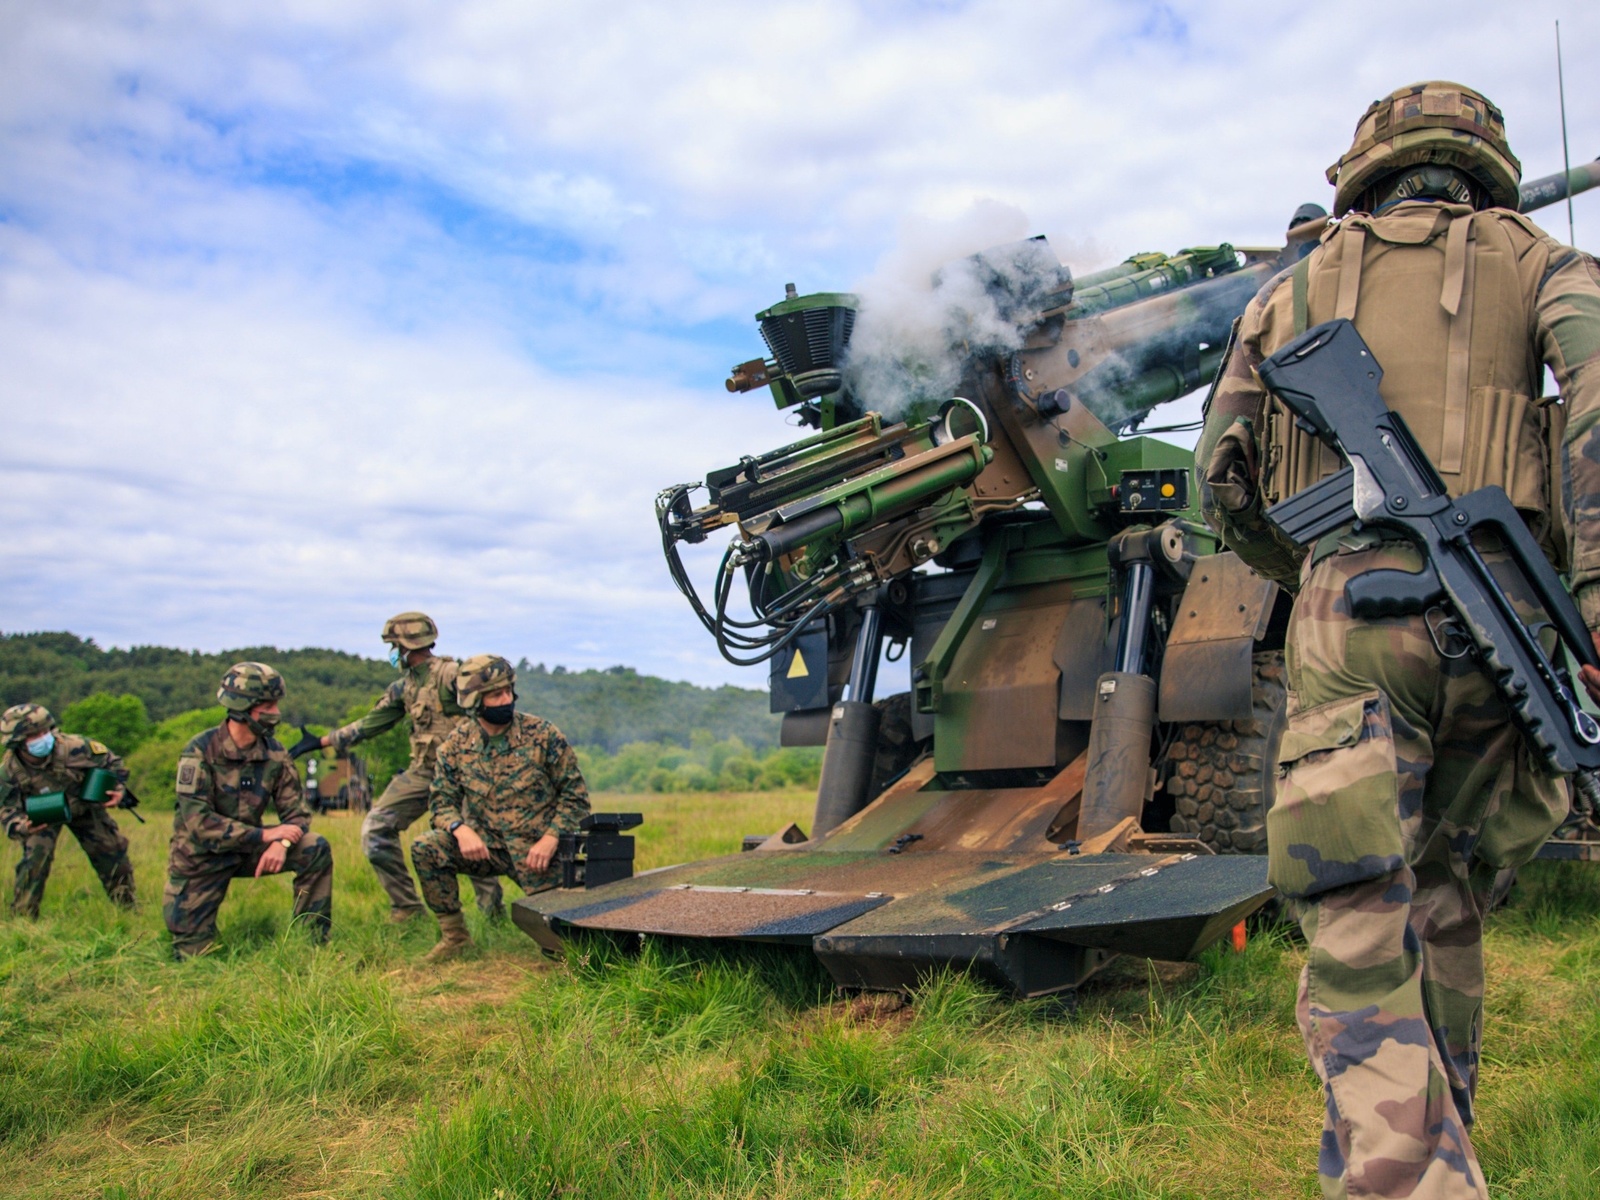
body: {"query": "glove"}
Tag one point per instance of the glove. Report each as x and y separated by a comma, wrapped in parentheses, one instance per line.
(307, 743)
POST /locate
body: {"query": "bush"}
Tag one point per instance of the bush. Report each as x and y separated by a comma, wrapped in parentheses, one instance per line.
(705, 765)
(121, 722)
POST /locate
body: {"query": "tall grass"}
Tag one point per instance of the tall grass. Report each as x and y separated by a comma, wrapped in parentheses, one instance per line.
(276, 1068)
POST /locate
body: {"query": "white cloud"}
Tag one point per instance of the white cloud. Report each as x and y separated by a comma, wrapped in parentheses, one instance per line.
(309, 312)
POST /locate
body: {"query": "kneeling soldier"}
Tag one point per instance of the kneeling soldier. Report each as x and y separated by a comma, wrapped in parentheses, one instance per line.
(38, 761)
(426, 694)
(507, 783)
(227, 777)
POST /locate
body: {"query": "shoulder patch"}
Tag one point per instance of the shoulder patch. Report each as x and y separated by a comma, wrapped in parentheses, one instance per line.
(188, 776)
(97, 747)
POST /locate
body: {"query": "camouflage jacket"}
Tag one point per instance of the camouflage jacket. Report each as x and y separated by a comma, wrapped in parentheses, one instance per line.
(223, 791)
(64, 771)
(510, 790)
(427, 694)
(1464, 311)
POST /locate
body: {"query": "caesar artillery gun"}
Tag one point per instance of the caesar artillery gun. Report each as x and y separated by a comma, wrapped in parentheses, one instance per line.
(1083, 760)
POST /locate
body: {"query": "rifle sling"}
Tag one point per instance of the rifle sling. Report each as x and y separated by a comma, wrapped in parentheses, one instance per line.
(1456, 299)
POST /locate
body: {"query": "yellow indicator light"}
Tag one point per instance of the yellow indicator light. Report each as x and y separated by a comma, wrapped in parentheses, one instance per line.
(1168, 491)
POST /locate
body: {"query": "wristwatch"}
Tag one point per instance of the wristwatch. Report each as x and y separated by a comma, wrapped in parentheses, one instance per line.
(453, 826)
(286, 843)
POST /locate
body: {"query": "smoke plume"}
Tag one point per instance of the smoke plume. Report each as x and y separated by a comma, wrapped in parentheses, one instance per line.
(947, 290)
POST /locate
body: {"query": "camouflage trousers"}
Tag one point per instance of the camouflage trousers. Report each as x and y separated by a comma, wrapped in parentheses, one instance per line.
(192, 899)
(438, 860)
(402, 802)
(1402, 787)
(103, 844)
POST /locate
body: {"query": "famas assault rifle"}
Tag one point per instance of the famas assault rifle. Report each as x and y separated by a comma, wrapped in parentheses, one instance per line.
(1329, 379)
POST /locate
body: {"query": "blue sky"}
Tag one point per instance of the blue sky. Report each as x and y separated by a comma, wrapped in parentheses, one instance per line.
(310, 313)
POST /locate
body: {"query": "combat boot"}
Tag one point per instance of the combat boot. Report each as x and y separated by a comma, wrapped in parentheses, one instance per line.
(453, 938)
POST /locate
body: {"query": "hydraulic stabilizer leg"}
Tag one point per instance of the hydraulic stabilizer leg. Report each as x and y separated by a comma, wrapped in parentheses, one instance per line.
(852, 733)
(1118, 775)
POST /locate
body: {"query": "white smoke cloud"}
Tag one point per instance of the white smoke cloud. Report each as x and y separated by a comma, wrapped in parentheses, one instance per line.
(946, 290)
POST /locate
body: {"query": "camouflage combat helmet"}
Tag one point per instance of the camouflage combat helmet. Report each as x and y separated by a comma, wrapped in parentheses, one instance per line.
(248, 684)
(411, 631)
(23, 721)
(480, 675)
(1434, 123)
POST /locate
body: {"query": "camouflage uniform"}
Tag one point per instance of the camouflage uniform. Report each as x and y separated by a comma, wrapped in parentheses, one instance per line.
(223, 790)
(1403, 785)
(64, 770)
(510, 790)
(426, 694)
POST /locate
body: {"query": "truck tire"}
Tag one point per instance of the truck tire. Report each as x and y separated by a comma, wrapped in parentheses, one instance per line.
(1221, 774)
(897, 746)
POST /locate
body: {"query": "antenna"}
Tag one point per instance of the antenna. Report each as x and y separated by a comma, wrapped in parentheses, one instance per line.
(1566, 157)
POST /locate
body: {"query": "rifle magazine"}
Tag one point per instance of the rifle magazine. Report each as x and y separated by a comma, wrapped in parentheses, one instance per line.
(1318, 510)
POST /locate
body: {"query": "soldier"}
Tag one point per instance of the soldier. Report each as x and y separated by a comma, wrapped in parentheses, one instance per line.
(507, 784)
(426, 693)
(1403, 786)
(227, 777)
(37, 761)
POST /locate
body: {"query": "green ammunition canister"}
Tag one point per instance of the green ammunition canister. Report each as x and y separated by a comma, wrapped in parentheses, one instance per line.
(48, 809)
(97, 784)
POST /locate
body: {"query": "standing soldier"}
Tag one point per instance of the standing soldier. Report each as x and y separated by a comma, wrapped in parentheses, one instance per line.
(426, 693)
(38, 761)
(507, 784)
(227, 777)
(1403, 784)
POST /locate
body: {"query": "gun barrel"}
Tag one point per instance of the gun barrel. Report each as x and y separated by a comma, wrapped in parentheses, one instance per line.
(1546, 190)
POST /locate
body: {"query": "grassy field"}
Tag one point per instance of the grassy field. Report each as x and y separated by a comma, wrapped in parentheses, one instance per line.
(274, 1069)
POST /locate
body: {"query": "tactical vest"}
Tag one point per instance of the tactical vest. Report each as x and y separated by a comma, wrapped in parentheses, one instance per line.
(1434, 290)
(431, 722)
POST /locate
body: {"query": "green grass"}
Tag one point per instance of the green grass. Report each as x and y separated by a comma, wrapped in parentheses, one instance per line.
(275, 1069)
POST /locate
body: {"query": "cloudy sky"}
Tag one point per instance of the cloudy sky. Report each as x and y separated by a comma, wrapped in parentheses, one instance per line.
(311, 312)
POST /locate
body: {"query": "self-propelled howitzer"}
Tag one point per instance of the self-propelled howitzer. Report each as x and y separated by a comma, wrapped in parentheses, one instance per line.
(1082, 758)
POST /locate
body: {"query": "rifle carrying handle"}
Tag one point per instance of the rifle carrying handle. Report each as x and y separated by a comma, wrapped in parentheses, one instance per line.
(1390, 593)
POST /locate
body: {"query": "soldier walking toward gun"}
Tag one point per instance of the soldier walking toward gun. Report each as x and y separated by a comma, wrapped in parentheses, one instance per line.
(227, 778)
(426, 693)
(507, 786)
(38, 761)
(1404, 786)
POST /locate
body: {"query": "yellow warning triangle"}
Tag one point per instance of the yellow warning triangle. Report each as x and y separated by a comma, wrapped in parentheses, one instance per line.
(797, 669)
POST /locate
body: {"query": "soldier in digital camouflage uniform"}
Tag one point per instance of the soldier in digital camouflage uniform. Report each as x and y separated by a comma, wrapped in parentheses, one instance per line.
(227, 778)
(426, 693)
(40, 760)
(1403, 786)
(506, 785)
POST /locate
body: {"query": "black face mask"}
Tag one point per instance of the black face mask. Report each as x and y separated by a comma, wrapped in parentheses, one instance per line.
(498, 714)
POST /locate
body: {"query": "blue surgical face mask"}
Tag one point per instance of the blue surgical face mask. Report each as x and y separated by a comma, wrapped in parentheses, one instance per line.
(394, 656)
(41, 746)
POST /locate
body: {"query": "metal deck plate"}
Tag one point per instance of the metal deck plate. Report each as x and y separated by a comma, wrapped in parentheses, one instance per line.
(1035, 922)
(760, 914)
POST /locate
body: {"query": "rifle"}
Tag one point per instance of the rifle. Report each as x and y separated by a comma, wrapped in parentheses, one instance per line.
(1329, 379)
